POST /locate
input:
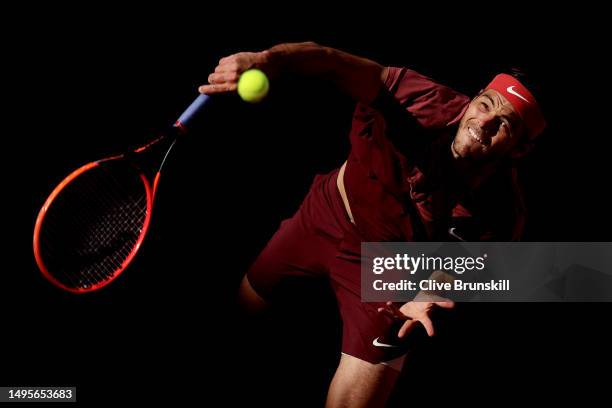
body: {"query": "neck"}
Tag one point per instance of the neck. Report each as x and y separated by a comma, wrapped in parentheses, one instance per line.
(471, 174)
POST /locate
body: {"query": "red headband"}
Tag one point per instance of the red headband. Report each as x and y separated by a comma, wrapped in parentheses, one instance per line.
(522, 101)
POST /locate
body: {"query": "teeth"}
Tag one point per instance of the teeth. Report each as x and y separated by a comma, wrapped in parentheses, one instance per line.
(474, 135)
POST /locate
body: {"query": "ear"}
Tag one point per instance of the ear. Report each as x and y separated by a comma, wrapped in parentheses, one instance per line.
(522, 150)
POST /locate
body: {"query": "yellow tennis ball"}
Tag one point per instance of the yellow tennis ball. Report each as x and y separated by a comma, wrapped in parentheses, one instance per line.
(253, 85)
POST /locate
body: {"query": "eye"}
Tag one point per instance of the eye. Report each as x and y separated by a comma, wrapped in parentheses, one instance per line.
(484, 107)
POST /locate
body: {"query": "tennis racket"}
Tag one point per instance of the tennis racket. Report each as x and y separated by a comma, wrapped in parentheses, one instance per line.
(93, 223)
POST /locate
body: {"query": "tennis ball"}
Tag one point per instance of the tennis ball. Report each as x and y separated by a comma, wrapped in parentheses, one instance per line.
(253, 85)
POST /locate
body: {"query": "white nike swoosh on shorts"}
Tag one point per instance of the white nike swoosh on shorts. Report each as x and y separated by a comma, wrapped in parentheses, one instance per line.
(379, 344)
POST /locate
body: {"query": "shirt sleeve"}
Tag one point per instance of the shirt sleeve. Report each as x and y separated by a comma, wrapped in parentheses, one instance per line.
(433, 105)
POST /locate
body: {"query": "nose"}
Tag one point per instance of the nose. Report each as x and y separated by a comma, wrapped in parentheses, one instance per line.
(489, 122)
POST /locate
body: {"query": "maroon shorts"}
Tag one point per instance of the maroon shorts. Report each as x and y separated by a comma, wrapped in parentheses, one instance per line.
(320, 242)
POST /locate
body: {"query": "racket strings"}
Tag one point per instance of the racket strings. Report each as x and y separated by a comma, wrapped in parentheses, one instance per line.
(98, 238)
(94, 225)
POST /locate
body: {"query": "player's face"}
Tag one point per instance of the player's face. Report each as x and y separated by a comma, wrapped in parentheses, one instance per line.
(489, 130)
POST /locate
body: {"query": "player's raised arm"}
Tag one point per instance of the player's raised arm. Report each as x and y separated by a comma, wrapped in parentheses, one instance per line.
(359, 77)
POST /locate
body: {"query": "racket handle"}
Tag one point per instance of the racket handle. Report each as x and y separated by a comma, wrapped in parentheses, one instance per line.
(197, 106)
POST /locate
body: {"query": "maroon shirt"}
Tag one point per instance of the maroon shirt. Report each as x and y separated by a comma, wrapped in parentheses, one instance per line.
(398, 179)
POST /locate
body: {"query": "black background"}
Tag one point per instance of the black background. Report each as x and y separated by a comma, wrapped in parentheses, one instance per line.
(85, 83)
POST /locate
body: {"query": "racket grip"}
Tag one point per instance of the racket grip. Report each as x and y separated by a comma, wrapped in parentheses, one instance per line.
(191, 113)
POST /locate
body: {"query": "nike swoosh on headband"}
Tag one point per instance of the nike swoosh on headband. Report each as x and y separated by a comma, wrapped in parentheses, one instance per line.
(511, 90)
(379, 344)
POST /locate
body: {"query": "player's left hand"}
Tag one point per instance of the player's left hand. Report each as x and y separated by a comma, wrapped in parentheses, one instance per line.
(416, 311)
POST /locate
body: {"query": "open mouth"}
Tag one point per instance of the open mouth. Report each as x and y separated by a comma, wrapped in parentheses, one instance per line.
(477, 136)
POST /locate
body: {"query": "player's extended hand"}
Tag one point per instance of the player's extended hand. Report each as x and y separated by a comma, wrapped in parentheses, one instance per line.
(226, 75)
(416, 311)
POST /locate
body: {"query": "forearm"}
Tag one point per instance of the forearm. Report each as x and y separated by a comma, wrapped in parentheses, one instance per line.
(359, 77)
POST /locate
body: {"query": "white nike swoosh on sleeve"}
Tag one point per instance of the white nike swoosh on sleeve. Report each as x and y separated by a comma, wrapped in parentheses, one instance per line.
(452, 233)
